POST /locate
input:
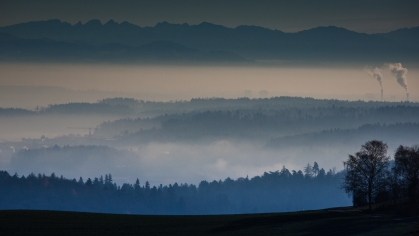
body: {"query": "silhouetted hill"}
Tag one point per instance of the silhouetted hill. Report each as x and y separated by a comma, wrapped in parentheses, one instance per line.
(14, 48)
(408, 37)
(321, 43)
(334, 43)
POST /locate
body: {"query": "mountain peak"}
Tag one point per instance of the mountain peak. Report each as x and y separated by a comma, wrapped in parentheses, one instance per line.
(255, 28)
(126, 24)
(163, 23)
(204, 23)
(78, 24)
(111, 23)
(166, 27)
(327, 31)
(328, 28)
(93, 23)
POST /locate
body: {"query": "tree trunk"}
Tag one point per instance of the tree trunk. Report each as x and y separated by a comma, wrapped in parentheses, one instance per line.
(370, 197)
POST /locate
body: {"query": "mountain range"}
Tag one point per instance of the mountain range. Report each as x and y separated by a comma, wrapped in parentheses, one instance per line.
(112, 41)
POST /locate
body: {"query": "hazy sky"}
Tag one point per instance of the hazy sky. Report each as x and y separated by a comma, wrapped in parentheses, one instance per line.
(186, 82)
(368, 16)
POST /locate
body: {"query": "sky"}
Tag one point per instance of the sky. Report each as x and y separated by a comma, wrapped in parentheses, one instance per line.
(174, 83)
(368, 16)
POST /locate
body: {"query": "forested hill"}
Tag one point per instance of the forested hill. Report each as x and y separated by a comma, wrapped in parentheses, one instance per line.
(394, 134)
(264, 123)
(129, 106)
(277, 191)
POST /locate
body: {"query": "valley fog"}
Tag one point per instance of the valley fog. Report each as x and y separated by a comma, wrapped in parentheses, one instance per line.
(74, 126)
(200, 127)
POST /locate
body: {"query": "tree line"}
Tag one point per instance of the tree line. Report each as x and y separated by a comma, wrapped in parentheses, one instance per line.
(282, 190)
(293, 105)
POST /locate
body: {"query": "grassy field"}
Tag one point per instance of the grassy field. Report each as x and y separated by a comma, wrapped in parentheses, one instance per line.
(323, 222)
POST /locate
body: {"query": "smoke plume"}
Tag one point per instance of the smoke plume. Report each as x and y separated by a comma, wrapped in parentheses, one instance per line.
(399, 72)
(375, 73)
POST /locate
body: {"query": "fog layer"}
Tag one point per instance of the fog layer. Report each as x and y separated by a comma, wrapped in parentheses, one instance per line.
(198, 139)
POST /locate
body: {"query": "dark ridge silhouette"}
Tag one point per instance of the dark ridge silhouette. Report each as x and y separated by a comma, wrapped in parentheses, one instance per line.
(165, 27)
(256, 43)
(93, 25)
(406, 36)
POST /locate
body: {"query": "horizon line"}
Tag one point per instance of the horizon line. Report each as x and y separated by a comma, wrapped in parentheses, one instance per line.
(203, 22)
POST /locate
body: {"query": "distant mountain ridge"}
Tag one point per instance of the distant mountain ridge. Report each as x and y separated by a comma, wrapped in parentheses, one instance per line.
(252, 42)
(45, 49)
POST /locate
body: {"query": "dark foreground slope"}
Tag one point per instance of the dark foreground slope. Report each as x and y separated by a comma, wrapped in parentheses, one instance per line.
(298, 223)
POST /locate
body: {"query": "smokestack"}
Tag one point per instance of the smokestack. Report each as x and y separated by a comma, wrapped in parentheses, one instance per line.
(382, 98)
(375, 73)
(407, 97)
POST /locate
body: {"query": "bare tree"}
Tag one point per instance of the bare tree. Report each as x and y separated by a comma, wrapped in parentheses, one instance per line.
(407, 164)
(366, 170)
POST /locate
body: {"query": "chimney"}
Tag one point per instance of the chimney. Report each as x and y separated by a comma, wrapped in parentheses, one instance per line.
(382, 98)
(407, 97)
